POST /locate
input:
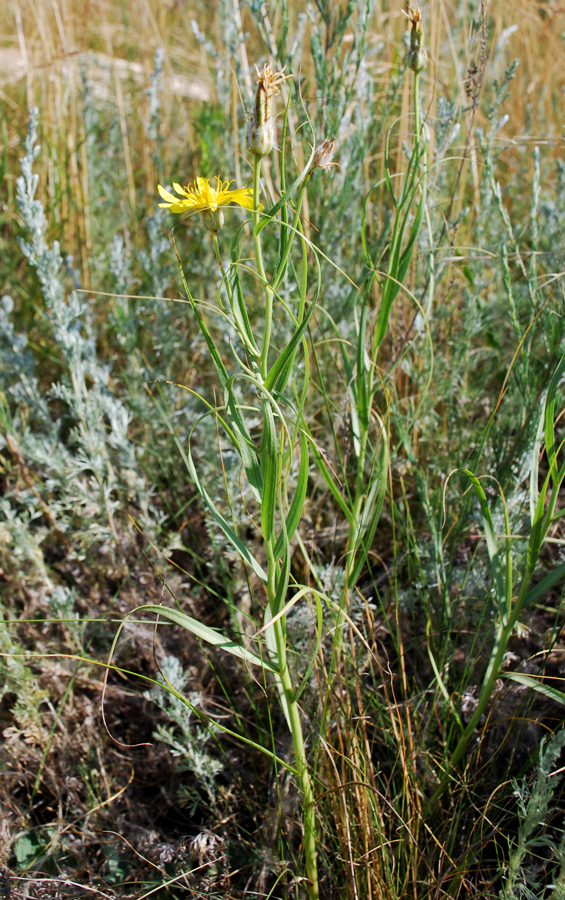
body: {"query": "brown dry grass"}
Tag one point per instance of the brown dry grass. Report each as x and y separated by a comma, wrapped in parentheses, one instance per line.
(43, 41)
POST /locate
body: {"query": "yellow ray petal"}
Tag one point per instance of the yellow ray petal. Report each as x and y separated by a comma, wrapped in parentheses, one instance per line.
(166, 195)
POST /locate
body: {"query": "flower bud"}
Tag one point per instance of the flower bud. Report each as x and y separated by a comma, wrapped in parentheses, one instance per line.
(213, 219)
(261, 131)
(417, 55)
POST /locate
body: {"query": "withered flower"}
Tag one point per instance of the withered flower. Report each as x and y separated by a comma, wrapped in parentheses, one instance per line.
(261, 131)
(417, 56)
(324, 155)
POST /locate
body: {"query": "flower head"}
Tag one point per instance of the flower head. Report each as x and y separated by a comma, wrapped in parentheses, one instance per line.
(261, 132)
(417, 56)
(202, 197)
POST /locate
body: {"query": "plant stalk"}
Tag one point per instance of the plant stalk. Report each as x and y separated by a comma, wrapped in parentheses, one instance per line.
(295, 725)
(269, 294)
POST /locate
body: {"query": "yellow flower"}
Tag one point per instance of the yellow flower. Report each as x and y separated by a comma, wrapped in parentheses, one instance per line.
(202, 197)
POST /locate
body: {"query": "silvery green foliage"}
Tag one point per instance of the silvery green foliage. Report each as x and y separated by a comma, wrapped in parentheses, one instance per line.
(156, 261)
(184, 736)
(224, 56)
(14, 346)
(98, 447)
(445, 126)
(528, 872)
(343, 89)
(16, 677)
(21, 537)
(120, 263)
(152, 126)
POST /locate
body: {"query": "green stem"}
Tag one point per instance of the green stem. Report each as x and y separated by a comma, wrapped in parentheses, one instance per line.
(295, 725)
(269, 294)
(274, 573)
(417, 115)
(220, 263)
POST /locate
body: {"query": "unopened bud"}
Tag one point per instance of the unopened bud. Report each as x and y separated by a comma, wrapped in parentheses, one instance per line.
(417, 55)
(213, 219)
(261, 131)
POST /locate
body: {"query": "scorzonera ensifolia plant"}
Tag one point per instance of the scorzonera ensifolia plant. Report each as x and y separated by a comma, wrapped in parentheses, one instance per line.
(280, 439)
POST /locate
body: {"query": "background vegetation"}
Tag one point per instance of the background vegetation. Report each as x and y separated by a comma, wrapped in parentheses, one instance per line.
(145, 794)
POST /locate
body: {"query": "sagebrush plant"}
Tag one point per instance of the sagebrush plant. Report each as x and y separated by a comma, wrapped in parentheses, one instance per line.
(523, 879)
(100, 421)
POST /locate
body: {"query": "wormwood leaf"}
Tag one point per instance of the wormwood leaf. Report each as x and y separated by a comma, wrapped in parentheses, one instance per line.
(210, 635)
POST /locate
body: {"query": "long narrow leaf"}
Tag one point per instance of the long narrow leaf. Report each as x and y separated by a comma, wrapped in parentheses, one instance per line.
(373, 505)
(545, 585)
(550, 448)
(269, 458)
(210, 635)
(239, 310)
(224, 525)
(328, 478)
(539, 686)
(277, 369)
(245, 445)
(297, 505)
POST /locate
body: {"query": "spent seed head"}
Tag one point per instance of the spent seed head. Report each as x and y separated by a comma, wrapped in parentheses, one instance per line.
(417, 56)
(323, 155)
(261, 131)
